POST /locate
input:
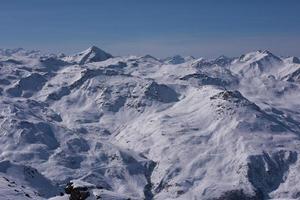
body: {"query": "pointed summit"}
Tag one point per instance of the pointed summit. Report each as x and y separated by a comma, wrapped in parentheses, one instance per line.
(94, 48)
(92, 54)
(149, 58)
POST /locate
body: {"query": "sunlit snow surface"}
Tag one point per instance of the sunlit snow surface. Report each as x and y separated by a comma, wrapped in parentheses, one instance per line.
(144, 128)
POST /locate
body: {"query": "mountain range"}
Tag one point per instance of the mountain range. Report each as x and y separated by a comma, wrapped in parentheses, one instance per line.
(97, 126)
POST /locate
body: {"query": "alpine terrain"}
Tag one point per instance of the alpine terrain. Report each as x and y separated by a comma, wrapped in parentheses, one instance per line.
(97, 126)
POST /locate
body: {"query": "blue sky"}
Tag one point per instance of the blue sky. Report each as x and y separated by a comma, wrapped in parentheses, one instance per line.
(159, 27)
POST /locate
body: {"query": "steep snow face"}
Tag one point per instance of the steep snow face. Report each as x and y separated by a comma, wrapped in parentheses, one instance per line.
(143, 128)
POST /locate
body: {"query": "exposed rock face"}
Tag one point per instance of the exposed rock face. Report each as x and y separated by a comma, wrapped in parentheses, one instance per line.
(266, 172)
(77, 193)
(294, 77)
(161, 93)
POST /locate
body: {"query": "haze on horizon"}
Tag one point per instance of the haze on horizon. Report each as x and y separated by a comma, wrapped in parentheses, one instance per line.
(160, 28)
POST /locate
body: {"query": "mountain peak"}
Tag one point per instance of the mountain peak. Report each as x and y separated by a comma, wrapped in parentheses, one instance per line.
(177, 59)
(258, 55)
(262, 51)
(266, 51)
(149, 57)
(92, 54)
(94, 49)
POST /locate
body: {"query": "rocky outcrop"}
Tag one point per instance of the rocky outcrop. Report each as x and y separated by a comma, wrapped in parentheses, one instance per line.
(77, 193)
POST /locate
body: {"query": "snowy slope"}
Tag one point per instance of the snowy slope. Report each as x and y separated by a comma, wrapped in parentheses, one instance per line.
(144, 128)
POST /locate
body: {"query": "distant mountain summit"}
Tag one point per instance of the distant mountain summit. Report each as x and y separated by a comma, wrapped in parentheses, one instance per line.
(258, 56)
(177, 59)
(256, 63)
(92, 54)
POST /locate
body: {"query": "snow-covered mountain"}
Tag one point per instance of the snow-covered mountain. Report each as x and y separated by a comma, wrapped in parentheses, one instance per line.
(92, 54)
(104, 127)
(177, 59)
